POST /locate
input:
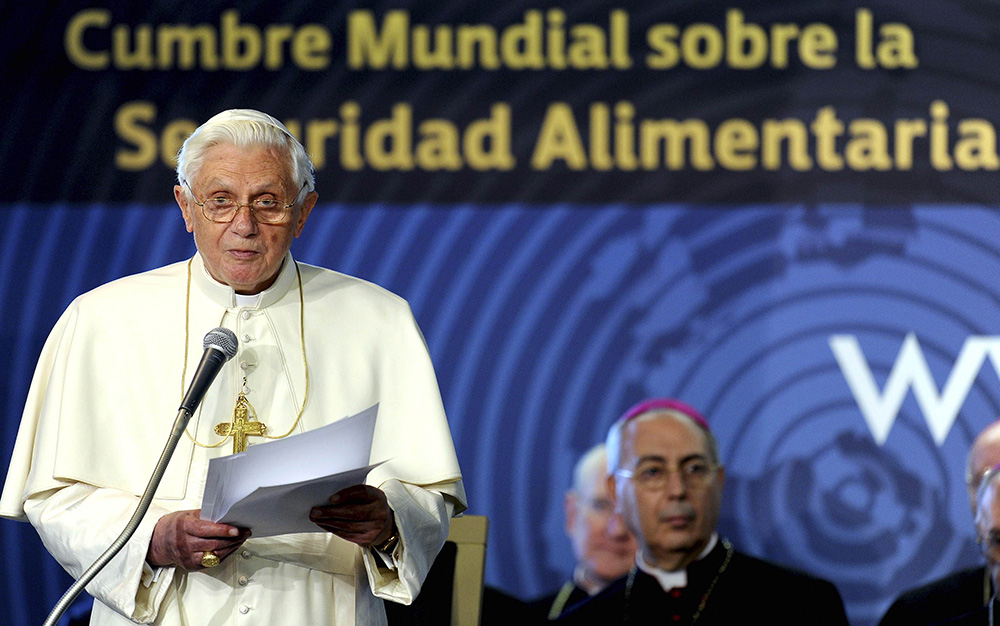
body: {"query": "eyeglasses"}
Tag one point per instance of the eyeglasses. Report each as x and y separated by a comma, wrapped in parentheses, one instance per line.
(265, 208)
(600, 506)
(655, 475)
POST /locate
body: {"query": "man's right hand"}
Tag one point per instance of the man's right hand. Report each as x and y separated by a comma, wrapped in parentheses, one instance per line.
(181, 538)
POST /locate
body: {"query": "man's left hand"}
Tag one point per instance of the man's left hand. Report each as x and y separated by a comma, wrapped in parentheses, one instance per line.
(359, 514)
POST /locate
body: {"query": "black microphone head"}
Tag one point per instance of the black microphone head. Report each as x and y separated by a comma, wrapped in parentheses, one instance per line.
(222, 339)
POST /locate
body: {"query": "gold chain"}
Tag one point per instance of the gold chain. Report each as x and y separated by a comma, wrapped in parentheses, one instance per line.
(305, 363)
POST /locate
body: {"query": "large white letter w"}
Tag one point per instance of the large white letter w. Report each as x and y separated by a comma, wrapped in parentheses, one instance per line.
(910, 370)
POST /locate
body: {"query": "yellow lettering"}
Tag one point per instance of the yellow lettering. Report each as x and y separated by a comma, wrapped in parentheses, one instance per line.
(588, 48)
(600, 133)
(557, 39)
(350, 137)
(746, 46)
(367, 48)
(389, 142)
(274, 45)
(736, 144)
(625, 156)
(241, 45)
(940, 159)
(976, 148)
(662, 40)
(868, 147)
(317, 133)
(129, 126)
(141, 55)
(172, 138)
(896, 47)
(188, 41)
(864, 34)
(521, 44)
(76, 51)
(702, 46)
(675, 136)
(906, 132)
(781, 36)
(818, 47)
(487, 142)
(774, 132)
(311, 47)
(827, 127)
(428, 56)
(620, 57)
(482, 37)
(438, 146)
(559, 138)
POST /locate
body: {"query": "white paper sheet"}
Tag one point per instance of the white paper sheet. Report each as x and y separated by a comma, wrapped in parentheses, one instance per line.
(271, 487)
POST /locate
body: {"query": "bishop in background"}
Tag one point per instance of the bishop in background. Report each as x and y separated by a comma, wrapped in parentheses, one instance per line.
(314, 346)
(665, 478)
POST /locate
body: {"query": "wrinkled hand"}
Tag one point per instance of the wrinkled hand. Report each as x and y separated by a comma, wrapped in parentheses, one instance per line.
(360, 514)
(181, 538)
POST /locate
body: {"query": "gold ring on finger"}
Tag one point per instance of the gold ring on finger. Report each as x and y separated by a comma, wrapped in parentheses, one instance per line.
(209, 559)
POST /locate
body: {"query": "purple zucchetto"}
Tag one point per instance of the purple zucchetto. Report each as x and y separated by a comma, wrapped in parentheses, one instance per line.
(665, 404)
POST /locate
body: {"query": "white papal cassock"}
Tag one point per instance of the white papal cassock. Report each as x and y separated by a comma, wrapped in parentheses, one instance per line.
(104, 397)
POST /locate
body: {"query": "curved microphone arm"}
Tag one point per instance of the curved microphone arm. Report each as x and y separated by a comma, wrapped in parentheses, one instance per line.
(220, 346)
(180, 423)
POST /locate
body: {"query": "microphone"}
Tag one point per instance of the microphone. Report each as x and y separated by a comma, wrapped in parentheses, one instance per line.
(220, 346)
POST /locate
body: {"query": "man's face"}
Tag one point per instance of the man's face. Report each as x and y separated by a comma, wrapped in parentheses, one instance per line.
(601, 542)
(243, 254)
(675, 521)
(985, 453)
(988, 530)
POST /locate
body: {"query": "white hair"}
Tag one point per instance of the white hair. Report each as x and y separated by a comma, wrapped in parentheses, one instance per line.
(245, 128)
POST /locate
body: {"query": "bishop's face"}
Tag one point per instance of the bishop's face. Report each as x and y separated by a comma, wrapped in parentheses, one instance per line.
(673, 517)
(243, 253)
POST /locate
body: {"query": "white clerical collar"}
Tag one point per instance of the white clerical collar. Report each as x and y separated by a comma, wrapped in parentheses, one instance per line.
(677, 578)
(247, 301)
(226, 296)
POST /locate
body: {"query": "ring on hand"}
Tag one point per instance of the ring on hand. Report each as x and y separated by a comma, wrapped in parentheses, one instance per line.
(209, 559)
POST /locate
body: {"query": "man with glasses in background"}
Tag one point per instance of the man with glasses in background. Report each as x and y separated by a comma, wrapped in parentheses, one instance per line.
(960, 592)
(314, 347)
(666, 479)
(988, 538)
(603, 547)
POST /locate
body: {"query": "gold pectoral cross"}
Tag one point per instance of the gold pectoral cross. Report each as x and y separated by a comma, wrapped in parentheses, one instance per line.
(242, 425)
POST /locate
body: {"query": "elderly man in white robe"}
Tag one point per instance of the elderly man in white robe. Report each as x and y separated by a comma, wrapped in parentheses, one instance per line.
(314, 346)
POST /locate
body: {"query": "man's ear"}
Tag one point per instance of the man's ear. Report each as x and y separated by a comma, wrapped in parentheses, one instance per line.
(185, 204)
(570, 510)
(307, 207)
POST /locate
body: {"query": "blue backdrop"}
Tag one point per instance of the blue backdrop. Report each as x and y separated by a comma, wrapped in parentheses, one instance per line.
(803, 310)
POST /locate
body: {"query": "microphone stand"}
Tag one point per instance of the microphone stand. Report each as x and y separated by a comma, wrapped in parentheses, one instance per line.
(180, 423)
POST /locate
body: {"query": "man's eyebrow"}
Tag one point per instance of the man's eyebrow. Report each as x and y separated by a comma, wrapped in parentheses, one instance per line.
(656, 458)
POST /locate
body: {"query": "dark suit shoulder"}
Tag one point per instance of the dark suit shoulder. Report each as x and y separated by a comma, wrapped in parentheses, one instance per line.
(752, 583)
(559, 602)
(743, 591)
(939, 600)
(760, 572)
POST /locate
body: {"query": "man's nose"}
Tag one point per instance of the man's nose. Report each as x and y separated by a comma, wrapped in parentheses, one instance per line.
(244, 221)
(676, 487)
(616, 526)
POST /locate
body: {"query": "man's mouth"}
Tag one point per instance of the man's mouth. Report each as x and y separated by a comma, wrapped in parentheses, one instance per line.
(243, 254)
